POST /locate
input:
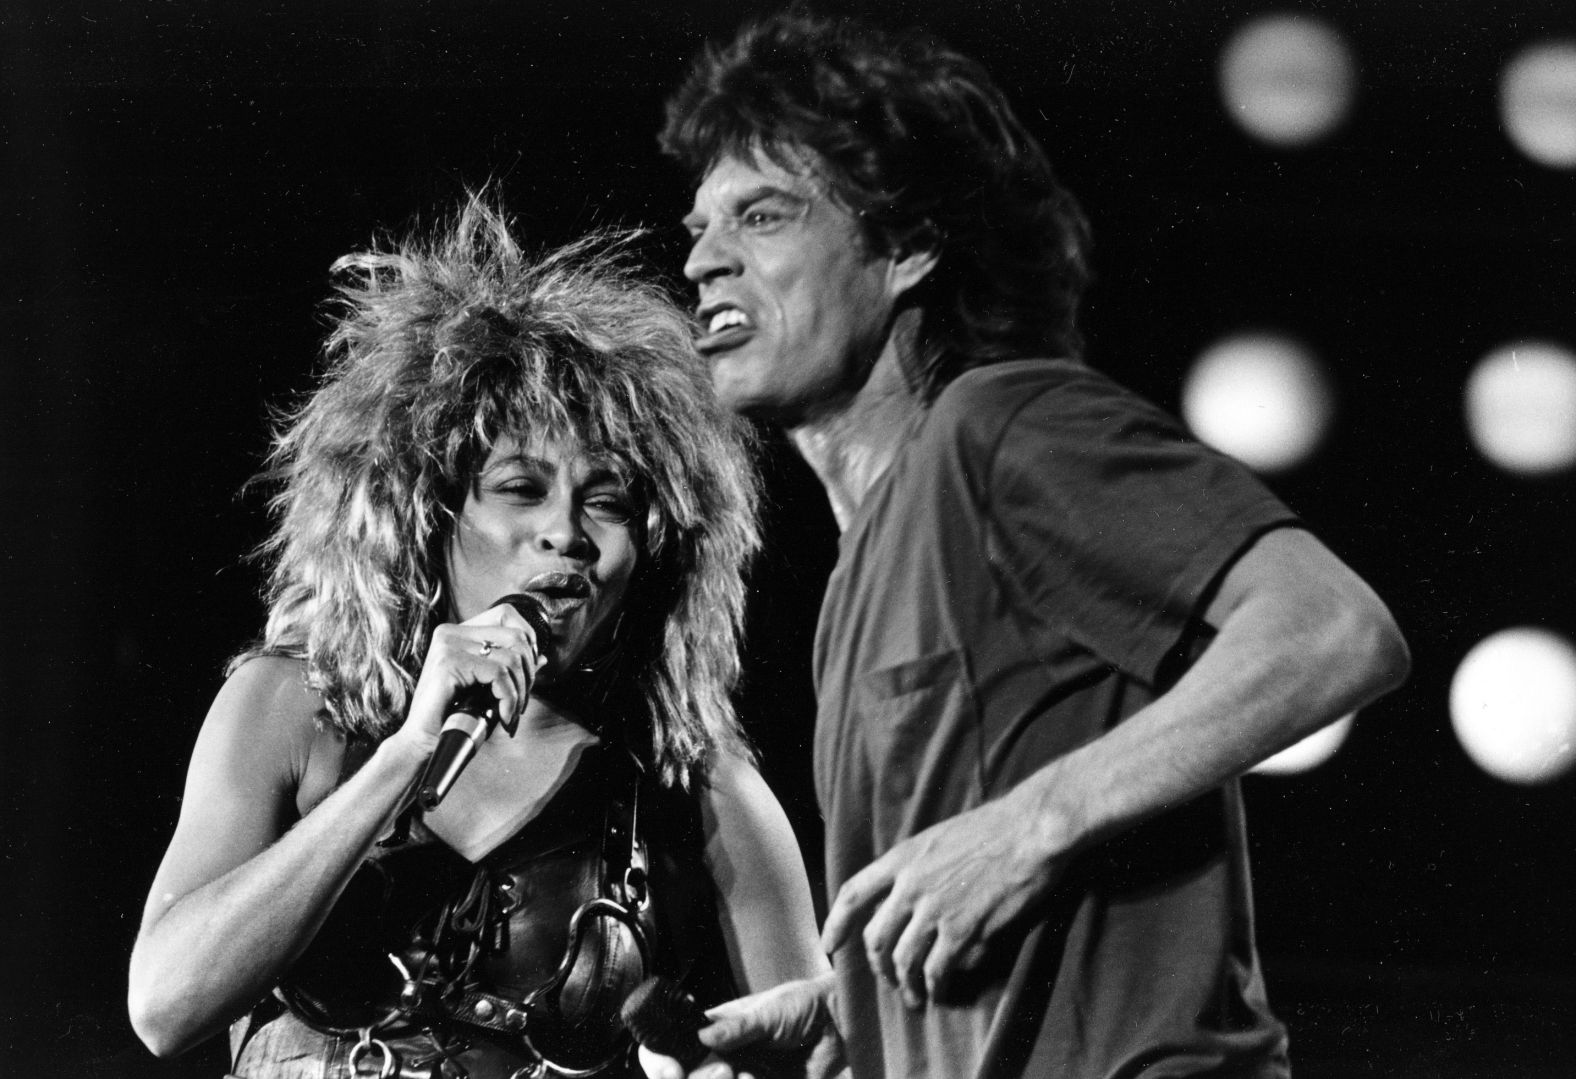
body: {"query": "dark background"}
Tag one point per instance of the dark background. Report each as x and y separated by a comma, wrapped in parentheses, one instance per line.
(178, 177)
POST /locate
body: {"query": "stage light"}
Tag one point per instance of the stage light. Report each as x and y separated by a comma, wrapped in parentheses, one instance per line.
(1537, 102)
(1513, 705)
(1309, 753)
(1287, 79)
(1521, 407)
(1261, 398)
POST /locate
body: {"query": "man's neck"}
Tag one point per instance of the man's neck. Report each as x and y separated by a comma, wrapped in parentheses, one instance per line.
(851, 444)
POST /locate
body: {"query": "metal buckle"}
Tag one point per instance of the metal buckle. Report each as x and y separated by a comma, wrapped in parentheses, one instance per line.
(512, 899)
(636, 893)
(366, 1045)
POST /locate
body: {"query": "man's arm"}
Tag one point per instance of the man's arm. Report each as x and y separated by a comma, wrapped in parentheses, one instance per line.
(1300, 641)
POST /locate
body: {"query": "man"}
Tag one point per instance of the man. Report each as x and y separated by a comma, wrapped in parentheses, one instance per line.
(1058, 629)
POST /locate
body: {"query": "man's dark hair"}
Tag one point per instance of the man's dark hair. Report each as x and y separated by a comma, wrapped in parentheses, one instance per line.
(915, 140)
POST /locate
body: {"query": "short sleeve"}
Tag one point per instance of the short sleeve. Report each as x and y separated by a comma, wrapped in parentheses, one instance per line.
(1103, 514)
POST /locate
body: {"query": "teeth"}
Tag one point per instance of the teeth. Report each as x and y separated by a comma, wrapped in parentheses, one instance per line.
(730, 316)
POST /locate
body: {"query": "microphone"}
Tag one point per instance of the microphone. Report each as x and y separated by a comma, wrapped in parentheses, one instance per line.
(473, 713)
(664, 1018)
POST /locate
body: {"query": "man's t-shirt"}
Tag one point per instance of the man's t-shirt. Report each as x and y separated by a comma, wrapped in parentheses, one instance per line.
(1027, 573)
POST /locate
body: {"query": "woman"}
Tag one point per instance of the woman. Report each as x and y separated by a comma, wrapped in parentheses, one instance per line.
(489, 429)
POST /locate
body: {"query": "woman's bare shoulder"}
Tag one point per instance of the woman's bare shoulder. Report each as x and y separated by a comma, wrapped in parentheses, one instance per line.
(273, 684)
(266, 711)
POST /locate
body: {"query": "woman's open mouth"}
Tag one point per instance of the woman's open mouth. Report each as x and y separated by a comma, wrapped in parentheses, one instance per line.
(559, 593)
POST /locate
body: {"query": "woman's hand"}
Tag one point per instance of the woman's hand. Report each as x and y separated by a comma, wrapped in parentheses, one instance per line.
(496, 649)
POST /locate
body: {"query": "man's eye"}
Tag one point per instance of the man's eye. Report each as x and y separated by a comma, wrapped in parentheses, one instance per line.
(760, 219)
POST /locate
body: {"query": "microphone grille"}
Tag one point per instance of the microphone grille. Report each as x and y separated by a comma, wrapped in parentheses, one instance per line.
(530, 609)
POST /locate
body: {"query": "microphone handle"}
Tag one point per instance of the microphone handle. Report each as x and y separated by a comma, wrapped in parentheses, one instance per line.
(468, 725)
(472, 716)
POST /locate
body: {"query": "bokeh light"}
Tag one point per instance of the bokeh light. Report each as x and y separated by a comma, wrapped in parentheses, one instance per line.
(1521, 407)
(1537, 102)
(1309, 753)
(1513, 705)
(1261, 398)
(1287, 79)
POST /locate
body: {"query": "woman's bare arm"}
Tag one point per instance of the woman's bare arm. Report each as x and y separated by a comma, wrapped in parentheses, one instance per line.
(241, 892)
(768, 918)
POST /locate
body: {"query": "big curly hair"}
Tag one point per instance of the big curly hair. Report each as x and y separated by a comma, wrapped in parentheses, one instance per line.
(442, 346)
(918, 142)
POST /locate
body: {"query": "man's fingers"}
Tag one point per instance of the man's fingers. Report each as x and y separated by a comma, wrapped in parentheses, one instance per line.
(862, 890)
(732, 1033)
(910, 959)
(939, 966)
(737, 1023)
(786, 1017)
(882, 933)
(878, 955)
(947, 959)
(659, 1067)
(828, 1060)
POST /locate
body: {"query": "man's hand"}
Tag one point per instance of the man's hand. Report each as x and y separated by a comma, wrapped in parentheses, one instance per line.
(785, 1031)
(941, 896)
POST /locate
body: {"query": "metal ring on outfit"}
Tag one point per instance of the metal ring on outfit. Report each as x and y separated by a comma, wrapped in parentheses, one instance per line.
(365, 1047)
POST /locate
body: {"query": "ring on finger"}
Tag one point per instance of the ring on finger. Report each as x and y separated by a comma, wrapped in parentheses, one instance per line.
(487, 647)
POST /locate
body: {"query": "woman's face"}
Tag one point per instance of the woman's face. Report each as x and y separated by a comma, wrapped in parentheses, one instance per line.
(560, 527)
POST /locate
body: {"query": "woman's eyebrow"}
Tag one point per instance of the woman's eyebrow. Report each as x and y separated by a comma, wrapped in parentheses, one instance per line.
(606, 473)
(522, 460)
(597, 473)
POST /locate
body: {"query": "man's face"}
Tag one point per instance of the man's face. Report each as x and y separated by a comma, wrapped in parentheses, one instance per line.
(794, 307)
